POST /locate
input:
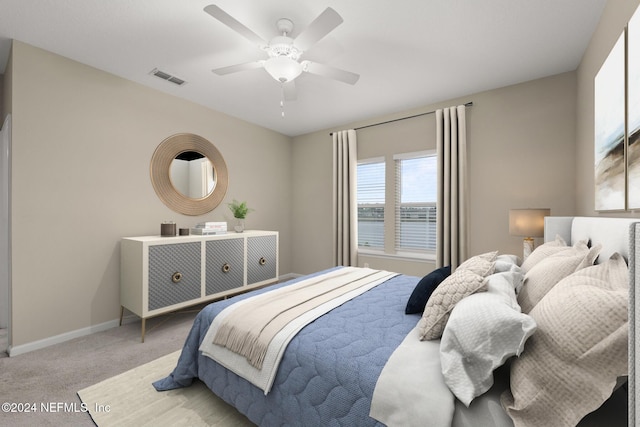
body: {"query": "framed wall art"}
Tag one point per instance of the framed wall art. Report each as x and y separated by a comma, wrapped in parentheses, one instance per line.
(617, 124)
(633, 109)
(609, 128)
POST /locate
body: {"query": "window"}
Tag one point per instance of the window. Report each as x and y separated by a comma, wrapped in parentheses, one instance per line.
(407, 215)
(371, 200)
(415, 224)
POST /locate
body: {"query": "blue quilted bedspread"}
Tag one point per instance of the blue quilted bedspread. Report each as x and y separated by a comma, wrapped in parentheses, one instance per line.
(329, 370)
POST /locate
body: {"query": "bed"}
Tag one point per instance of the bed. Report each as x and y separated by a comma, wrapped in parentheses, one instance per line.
(341, 368)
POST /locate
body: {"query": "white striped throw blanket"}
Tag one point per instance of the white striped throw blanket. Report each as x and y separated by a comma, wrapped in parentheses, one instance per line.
(251, 325)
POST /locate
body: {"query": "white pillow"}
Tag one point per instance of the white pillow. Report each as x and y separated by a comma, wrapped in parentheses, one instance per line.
(505, 262)
(572, 362)
(483, 331)
(547, 273)
(543, 251)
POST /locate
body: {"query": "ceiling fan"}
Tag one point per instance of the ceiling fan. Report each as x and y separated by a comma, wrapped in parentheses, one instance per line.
(284, 63)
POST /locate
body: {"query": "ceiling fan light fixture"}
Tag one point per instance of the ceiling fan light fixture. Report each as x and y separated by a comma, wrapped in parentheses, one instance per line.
(283, 69)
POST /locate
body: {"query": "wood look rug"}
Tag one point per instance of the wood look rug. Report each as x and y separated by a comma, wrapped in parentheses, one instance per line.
(129, 399)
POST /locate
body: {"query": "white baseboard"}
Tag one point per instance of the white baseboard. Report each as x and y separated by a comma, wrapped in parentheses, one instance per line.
(57, 339)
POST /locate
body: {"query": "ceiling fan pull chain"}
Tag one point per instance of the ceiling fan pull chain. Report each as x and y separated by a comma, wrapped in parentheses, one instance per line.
(282, 99)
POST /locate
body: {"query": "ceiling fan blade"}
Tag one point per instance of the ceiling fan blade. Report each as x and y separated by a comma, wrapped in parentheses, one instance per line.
(238, 67)
(331, 72)
(289, 91)
(320, 27)
(235, 25)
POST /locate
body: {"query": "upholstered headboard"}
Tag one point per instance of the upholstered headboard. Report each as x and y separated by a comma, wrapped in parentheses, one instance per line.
(612, 233)
(620, 235)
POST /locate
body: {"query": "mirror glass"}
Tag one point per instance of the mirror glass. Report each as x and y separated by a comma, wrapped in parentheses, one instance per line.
(189, 174)
(192, 174)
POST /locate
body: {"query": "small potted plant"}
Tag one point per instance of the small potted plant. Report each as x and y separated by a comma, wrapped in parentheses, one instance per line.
(240, 211)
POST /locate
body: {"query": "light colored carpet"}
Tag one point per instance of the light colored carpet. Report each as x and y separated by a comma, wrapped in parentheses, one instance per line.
(129, 399)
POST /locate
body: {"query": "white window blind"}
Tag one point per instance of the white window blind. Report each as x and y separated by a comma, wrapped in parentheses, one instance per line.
(371, 199)
(416, 192)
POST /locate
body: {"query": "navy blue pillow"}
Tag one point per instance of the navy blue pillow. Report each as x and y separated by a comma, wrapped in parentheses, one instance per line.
(424, 289)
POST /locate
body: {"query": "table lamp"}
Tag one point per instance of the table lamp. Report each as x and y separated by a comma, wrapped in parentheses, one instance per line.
(528, 223)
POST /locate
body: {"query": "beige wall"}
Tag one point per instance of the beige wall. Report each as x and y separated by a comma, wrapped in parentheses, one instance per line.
(82, 141)
(614, 18)
(521, 146)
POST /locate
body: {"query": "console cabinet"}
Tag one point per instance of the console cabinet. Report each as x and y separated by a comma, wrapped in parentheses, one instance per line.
(163, 274)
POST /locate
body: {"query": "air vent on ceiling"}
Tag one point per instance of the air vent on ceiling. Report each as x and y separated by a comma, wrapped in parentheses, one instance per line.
(168, 77)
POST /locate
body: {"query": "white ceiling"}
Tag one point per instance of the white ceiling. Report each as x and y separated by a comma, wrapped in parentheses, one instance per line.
(409, 53)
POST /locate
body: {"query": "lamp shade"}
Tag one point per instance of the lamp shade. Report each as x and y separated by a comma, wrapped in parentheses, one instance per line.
(282, 68)
(527, 222)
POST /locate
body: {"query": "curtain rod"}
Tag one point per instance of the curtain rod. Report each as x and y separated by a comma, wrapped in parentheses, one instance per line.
(468, 104)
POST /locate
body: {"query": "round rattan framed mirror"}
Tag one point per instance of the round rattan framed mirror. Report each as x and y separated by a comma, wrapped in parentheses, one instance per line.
(163, 163)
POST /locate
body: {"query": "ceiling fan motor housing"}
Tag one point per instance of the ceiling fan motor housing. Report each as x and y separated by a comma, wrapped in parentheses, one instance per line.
(283, 46)
(283, 63)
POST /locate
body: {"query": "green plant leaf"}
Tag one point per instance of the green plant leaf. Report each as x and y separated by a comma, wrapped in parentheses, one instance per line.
(239, 209)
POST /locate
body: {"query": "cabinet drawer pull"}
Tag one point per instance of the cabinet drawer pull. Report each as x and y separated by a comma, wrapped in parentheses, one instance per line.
(262, 261)
(176, 277)
(226, 267)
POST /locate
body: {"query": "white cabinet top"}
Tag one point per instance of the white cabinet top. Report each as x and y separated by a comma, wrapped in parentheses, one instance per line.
(198, 237)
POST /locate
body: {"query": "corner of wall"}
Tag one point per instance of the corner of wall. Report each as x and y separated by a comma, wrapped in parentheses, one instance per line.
(6, 81)
(1, 97)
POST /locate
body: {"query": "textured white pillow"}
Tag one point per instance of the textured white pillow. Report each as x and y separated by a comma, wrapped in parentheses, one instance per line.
(467, 279)
(454, 288)
(480, 264)
(544, 275)
(570, 365)
(543, 251)
(483, 331)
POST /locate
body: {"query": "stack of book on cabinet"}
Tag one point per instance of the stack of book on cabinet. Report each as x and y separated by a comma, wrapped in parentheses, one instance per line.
(209, 228)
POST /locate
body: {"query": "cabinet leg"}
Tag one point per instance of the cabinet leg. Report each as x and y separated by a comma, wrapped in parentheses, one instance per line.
(144, 321)
(121, 314)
